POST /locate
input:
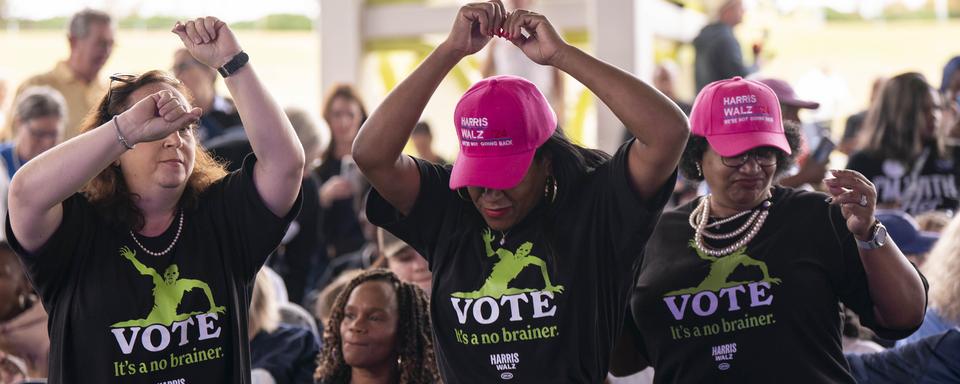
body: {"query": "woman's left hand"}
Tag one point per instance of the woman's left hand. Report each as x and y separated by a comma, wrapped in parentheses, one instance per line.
(857, 197)
(209, 40)
(544, 42)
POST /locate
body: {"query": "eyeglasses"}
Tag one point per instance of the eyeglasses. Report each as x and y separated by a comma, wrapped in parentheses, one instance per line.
(130, 78)
(763, 157)
(40, 133)
(127, 78)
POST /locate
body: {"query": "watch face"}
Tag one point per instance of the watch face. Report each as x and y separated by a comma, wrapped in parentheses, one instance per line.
(881, 236)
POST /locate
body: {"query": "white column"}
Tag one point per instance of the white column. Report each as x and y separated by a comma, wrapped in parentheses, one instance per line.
(614, 40)
(341, 42)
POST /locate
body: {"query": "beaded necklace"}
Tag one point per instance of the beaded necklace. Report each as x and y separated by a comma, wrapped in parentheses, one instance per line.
(172, 243)
(701, 216)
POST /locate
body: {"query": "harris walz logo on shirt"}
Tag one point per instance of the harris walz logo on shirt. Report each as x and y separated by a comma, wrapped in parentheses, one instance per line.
(164, 327)
(499, 298)
(717, 294)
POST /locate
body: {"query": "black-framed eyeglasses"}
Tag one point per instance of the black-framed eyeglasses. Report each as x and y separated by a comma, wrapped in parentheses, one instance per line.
(763, 157)
(127, 78)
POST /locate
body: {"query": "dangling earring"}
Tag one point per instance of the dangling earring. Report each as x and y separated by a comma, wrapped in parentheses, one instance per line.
(699, 170)
(550, 189)
(22, 298)
(464, 195)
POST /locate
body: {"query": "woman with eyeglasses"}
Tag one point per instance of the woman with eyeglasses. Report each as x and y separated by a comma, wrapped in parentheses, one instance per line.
(742, 285)
(38, 117)
(141, 246)
(530, 237)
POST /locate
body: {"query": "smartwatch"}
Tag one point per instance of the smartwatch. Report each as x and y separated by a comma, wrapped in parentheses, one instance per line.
(232, 66)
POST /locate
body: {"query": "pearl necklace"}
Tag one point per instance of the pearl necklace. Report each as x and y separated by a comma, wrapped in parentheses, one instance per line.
(165, 251)
(701, 215)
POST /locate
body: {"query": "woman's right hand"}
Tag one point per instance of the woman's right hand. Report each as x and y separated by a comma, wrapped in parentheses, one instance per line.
(336, 188)
(475, 25)
(156, 116)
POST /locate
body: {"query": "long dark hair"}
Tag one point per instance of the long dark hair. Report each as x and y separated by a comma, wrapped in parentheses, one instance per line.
(569, 163)
(108, 191)
(340, 91)
(417, 361)
(897, 118)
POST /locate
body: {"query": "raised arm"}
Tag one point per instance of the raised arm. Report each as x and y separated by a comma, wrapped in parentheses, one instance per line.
(38, 189)
(657, 123)
(280, 158)
(378, 146)
(131, 255)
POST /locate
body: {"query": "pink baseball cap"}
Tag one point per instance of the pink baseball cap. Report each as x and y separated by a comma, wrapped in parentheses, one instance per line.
(501, 121)
(737, 115)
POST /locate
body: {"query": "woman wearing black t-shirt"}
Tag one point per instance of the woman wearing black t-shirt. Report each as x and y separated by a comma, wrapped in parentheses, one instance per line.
(530, 238)
(743, 284)
(146, 271)
(905, 156)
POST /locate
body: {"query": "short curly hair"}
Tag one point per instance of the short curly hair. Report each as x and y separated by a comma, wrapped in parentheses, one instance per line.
(697, 146)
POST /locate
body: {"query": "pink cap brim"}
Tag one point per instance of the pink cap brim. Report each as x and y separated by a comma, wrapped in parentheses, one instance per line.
(500, 172)
(737, 143)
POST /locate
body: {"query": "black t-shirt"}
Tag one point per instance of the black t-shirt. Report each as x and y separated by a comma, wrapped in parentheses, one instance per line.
(544, 305)
(766, 315)
(934, 187)
(118, 314)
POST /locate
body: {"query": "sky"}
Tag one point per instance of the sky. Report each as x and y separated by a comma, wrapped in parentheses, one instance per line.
(228, 10)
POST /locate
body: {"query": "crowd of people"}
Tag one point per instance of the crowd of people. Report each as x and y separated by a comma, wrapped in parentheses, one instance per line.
(158, 231)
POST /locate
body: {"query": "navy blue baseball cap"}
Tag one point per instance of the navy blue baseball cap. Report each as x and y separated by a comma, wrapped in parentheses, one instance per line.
(904, 231)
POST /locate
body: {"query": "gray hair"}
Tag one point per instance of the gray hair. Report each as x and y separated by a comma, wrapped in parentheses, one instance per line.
(39, 101)
(81, 21)
(305, 127)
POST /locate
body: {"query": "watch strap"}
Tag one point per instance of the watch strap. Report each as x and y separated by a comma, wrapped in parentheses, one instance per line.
(235, 63)
(875, 237)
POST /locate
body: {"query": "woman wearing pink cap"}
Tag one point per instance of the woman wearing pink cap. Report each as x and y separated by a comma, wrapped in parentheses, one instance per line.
(743, 284)
(530, 238)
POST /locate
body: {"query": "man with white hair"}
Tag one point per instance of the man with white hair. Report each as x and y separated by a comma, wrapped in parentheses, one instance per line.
(718, 54)
(90, 35)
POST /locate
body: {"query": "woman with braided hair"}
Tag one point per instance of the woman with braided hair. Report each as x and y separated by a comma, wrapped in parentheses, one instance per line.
(380, 331)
